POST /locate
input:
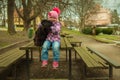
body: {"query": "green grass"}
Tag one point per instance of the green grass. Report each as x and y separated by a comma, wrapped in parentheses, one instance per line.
(17, 28)
(65, 30)
(103, 38)
(111, 37)
(107, 38)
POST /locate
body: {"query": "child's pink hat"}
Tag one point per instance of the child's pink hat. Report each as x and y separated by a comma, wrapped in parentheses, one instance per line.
(54, 13)
(57, 10)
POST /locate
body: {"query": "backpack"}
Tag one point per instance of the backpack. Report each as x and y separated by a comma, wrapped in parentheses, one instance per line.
(42, 32)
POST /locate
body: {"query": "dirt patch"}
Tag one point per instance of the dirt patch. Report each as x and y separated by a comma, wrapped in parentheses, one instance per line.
(6, 38)
(36, 72)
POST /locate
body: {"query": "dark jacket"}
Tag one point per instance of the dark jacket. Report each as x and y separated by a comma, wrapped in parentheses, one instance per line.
(42, 32)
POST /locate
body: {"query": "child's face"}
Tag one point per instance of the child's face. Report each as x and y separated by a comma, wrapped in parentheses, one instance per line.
(52, 19)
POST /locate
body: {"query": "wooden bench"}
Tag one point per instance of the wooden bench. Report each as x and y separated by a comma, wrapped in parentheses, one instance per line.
(112, 63)
(75, 43)
(92, 61)
(9, 59)
(65, 45)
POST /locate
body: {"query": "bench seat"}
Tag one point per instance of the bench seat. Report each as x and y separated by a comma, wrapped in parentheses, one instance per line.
(65, 45)
(91, 60)
(10, 57)
(7, 61)
(105, 58)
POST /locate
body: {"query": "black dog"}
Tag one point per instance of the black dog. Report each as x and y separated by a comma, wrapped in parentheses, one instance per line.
(42, 32)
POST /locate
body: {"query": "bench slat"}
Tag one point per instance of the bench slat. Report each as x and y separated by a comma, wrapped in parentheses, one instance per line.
(81, 54)
(8, 54)
(96, 58)
(9, 59)
(90, 62)
(67, 43)
(91, 58)
(62, 45)
(28, 46)
(107, 59)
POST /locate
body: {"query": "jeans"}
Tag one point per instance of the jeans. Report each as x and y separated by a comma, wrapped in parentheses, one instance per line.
(55, 47)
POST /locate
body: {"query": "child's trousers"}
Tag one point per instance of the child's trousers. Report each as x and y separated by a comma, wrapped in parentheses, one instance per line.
(55, 48)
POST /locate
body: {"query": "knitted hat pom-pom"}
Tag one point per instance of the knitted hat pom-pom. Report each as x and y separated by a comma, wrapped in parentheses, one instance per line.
(57, 10)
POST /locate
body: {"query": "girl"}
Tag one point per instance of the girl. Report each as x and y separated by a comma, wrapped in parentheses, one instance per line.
(53, 39)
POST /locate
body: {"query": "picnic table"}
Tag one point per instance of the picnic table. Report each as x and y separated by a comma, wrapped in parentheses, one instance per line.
(65, 45)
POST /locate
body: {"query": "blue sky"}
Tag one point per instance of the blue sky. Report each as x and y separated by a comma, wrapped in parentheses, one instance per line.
(112, 4)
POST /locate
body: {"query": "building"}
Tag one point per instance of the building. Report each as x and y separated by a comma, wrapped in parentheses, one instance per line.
(100, 17)
(19, 22)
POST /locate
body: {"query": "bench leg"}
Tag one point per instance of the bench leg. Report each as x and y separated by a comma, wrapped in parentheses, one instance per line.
(110, 72)
(75, 55)
(15, 72)
(70, 67)
(84, 71)
(31, 51)
(40, 54)
(66, 54)
(27, 65)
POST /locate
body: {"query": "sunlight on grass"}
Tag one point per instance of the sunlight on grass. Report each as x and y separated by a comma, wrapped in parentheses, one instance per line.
(103, 38)
(68, 31)
(110, 37)
(107, 38)
(17, 29)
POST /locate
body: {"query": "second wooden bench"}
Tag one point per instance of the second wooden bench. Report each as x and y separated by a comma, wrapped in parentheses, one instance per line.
(92, 61)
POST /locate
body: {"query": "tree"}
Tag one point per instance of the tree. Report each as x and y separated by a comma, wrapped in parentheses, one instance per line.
(115, 17)
(28, 13)
(34, 8)
(10, 6)
(82, 8)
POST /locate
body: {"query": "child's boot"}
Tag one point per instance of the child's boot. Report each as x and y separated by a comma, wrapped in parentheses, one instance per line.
(55, 64)
(44, 63)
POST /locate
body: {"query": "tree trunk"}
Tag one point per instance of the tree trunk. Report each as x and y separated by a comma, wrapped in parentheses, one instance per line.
(27, 25)
(93, 30)
(11, 27)
(82, 24)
